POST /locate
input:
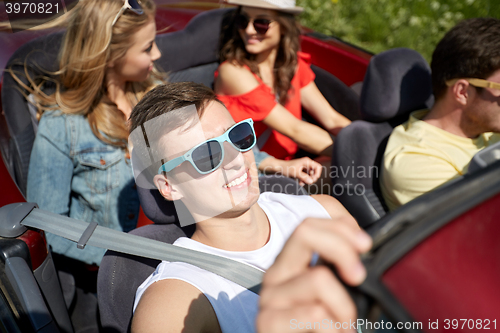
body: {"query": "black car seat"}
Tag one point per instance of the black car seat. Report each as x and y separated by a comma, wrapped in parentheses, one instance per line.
(396, 83)
(40, 58)
(192, 54)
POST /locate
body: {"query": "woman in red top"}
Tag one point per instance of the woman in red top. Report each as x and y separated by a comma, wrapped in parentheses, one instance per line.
(263, 76)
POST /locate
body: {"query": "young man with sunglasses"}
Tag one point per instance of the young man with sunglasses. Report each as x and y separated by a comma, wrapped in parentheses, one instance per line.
(204, 159)
(437, 145)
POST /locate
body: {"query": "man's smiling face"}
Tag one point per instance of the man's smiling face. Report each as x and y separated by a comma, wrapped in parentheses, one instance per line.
(231, 189)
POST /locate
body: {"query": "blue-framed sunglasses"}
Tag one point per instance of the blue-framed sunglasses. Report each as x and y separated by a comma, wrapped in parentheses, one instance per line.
(208, 156)
(133, 5)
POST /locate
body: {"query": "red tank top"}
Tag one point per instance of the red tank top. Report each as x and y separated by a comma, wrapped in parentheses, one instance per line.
(258, 103)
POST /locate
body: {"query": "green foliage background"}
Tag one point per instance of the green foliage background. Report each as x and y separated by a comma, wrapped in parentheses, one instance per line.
(378, 25)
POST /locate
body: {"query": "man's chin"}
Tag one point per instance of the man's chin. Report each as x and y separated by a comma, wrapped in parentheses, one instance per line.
(231, 206)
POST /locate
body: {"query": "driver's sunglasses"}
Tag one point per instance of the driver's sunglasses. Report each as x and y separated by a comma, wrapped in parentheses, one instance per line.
(208, 156)
(479, 83)
(133, 5)
(261, 25)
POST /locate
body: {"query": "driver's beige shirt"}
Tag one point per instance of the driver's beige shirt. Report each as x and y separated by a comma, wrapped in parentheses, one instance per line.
(420, 157)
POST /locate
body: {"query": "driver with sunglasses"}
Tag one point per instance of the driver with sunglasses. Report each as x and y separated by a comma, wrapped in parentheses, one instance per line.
(204, 159)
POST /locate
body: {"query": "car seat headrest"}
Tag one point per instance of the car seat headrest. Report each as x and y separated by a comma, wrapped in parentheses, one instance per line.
(197, 44)
(39, 53)
(41, 60)
(397, 82)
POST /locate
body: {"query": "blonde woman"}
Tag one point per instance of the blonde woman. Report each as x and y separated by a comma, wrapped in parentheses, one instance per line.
(264, 76)
(80, 166)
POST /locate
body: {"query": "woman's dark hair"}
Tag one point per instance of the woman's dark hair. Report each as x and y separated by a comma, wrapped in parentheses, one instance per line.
(469, 50)
(233, 50)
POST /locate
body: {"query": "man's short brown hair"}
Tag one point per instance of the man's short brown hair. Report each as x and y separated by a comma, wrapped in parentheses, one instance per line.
(168, 98)
(469, 50)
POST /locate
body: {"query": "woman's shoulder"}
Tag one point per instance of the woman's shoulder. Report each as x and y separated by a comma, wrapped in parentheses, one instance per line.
(52, 120)
(228, 69)
(303, 62)
(54, 128)
(304, 57)
(57, 124)
(58, 115)
(304, 74)
(234, 79)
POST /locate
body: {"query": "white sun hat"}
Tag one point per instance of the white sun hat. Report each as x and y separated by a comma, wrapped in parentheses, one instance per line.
(287, 6)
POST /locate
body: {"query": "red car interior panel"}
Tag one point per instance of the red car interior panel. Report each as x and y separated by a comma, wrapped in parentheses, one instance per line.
(454, 273)
(9, 193)
(143, 219)
(37, 245)
(173, 19)
(343, 61)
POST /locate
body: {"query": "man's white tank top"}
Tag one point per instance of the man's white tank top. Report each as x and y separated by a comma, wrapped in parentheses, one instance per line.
(236, 307)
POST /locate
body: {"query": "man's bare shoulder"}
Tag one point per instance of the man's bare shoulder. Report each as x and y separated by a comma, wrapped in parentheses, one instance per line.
(334, 208)
(173, 305)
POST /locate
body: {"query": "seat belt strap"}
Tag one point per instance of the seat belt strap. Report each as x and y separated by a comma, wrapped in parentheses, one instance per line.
(243, 274)
(262, 139)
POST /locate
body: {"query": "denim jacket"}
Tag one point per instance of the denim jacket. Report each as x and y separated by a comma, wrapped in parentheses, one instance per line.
(73, 173)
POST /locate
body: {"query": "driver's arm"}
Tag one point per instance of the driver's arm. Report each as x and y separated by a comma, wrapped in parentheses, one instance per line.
(292, 290)
(174, 306)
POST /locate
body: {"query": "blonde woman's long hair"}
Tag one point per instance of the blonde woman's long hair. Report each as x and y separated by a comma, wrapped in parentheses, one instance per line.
(90, 43)
(233, 50)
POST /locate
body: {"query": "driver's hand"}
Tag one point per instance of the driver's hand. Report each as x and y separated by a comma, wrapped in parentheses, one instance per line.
(293, 292)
